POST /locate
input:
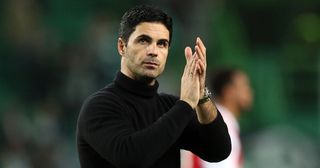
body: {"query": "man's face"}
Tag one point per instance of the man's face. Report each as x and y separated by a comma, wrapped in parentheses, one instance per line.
(243, 92)
(145, 54)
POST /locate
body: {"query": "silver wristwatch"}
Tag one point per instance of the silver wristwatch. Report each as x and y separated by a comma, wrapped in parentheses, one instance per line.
(206, 97)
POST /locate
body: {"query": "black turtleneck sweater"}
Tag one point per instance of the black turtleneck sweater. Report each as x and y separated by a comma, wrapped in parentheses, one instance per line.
(128, 124)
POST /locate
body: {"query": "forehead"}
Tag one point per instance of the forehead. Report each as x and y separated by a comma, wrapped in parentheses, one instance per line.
(241, 77)
(153, 29)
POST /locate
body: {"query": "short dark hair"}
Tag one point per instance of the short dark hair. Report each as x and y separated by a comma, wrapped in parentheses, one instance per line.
(142, 13)
(219, 79)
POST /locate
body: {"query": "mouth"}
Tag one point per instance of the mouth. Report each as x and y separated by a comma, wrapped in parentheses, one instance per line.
(151, 64)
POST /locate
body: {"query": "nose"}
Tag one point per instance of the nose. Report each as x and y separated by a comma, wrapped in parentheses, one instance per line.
(152, 50)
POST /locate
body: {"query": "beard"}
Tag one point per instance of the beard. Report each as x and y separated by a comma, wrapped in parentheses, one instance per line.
(148, 75)
(144, 73)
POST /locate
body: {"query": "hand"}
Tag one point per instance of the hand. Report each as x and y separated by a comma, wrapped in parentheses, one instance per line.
(190, 85)
(206, 112)
(200, 52)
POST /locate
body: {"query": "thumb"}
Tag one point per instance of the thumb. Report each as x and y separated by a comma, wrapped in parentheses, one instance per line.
(188, 53)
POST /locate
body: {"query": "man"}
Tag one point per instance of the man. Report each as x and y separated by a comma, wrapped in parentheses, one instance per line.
(233, 96)
(129, 124)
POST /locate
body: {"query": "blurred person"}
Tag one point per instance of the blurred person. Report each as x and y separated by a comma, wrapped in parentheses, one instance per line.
(129, 124)
(233, 95)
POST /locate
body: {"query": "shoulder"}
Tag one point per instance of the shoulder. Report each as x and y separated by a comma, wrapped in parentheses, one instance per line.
(102, 106)
(106, 94)
(106, 100)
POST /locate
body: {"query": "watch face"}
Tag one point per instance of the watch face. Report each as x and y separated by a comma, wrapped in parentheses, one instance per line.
(207, 92)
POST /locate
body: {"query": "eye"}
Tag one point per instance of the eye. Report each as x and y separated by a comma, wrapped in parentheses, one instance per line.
(163, 44)
(143, 41)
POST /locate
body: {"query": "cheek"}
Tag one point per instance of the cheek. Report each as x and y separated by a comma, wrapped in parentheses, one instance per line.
(135, 55)
(164, 55)
(246, 97)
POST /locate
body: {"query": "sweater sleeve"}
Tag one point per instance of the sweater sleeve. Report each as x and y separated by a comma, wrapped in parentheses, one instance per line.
(211, 142)
(111, 134)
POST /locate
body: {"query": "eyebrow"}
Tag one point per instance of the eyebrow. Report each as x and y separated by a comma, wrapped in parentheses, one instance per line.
(149, 38)
(144, 36)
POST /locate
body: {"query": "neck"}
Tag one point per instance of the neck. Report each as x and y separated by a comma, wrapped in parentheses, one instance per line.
(143, 79)
(135, 87)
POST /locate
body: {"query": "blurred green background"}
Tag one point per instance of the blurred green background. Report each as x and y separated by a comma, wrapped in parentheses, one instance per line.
(54, 53)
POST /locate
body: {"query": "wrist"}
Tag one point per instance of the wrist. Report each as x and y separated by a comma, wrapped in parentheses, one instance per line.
(188, 102)
(206, 96)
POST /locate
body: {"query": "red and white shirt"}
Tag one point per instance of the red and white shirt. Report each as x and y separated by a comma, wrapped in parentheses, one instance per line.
(235, 159)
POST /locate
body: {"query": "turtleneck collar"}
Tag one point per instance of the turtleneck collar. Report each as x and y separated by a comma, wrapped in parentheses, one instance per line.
(135, 87)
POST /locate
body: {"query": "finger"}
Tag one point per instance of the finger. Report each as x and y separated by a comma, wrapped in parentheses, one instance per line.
(188, 60)
(201, 46)
(192, 70)
(202, 59)
(188, 53)
(188, 67)
(199, 70)
(199, 53)
(202, 67)
(195, 54)
(194, 66)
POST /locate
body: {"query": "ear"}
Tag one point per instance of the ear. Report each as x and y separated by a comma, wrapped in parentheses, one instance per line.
(121, 46)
